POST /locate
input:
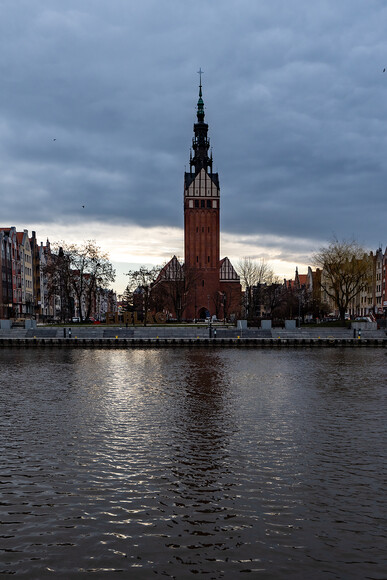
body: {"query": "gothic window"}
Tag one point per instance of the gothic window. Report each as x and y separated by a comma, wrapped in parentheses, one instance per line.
(202, 282)
(208, 203)
(196, 203)
(203, 202)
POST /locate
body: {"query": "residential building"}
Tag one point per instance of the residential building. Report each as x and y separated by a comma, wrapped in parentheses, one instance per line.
(16, 308)
(26, 274)
(6, 293)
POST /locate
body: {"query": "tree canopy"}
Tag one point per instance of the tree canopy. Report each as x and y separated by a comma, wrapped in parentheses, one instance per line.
(253, 272)
(140, 284)
(256, 277)
(346, 271)
(77, 271)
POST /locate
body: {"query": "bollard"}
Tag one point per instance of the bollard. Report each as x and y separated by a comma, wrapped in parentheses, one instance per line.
(69, 332)
(64, 333)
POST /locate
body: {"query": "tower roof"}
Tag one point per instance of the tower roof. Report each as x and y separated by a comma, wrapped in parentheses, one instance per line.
(200, 105)
(200, 143)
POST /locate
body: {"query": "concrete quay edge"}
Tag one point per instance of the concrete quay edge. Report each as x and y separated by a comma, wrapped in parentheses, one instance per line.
(127, 343)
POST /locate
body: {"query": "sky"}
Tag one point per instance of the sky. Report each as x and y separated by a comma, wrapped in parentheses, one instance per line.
(98, 101)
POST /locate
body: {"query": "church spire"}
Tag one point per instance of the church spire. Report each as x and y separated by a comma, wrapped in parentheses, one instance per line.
(200, 142)
(200, 111)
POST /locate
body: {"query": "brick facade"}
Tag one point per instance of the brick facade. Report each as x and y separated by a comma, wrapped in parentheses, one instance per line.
(216, 290)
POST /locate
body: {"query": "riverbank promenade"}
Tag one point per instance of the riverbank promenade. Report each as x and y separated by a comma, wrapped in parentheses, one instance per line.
(195, 335)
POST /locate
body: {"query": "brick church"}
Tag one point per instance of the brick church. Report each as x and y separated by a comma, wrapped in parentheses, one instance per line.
(209, 286)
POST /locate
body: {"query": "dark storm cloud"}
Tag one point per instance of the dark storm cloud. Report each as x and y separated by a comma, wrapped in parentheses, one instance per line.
(98, 102)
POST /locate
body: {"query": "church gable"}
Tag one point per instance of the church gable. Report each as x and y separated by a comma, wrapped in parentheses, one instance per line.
(203, 185)
(173, 270)
(227, 272)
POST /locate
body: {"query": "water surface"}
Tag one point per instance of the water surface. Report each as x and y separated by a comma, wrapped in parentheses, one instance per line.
(188, 463)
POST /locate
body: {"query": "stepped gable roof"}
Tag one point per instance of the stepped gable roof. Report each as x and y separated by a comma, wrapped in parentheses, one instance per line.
(172, 270)
(227, 271)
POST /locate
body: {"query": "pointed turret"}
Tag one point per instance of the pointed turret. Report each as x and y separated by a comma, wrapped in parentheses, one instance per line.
(200, 143)
(200, 112)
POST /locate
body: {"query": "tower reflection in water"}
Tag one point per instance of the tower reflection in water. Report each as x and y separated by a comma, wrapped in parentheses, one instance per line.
(203, 423)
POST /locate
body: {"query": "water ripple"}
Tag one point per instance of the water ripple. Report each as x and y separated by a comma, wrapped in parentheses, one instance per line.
(182, 463)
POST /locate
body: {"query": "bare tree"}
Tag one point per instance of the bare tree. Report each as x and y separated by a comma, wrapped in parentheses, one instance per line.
(140, 283)
(77, 271)
(231, 301)
(100, 272)
(218, 300)
(272, 297)
(127, 299)
(254, 274)
(176, 283)
(90, 268)
(58, 273)
(347, 270)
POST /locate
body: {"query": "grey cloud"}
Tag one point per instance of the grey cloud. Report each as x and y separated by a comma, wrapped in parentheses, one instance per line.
(295, 100)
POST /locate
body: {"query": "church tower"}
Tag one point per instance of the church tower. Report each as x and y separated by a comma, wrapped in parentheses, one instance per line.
(201, 218)
(205, 285)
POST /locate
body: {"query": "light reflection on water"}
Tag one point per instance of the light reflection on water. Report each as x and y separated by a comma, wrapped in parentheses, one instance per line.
(188, 462)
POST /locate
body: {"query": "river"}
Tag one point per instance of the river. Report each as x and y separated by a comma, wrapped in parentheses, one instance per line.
(186, 463)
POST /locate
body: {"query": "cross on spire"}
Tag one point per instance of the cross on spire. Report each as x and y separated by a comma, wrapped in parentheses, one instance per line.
(200, 72)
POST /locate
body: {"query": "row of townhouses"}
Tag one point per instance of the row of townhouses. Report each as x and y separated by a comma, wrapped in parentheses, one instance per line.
(25, 290)
(305, 297)
(372, 300)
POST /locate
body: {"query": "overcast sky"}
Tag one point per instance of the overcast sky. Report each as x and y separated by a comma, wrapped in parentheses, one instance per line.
(98, 101)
